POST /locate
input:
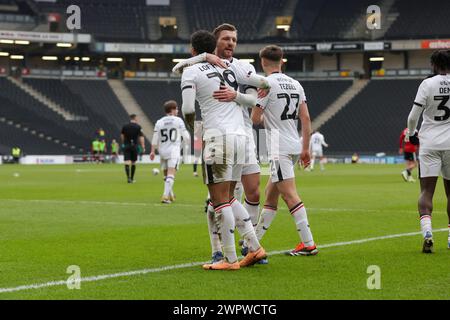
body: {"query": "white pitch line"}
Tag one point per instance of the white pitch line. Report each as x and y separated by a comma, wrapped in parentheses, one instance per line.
(200, 205)
(189, 265)
(111, 203)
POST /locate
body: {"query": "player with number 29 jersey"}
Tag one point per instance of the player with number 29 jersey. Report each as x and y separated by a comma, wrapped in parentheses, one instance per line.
(218, 118)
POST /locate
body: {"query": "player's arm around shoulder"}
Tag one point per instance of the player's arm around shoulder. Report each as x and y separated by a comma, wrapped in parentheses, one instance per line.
(262, 103)
(204, 57)
(247, 76)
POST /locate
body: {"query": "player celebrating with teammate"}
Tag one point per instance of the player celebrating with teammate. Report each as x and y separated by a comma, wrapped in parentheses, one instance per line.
(167, 139)
(434, 155)
(224, 134)
(281, 108)
(245, 96)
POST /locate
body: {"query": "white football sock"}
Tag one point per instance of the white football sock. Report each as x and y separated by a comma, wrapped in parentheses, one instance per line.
(168, 185)
(244, 225)
(226, 226)
(322, 167)
(298, 212)
(212, 228)
(425, 225)
(239, 191)
(253, 211)
(313, 160)
(267, 216)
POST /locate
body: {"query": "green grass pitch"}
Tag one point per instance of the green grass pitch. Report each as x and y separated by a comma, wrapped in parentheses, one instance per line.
(52, 217)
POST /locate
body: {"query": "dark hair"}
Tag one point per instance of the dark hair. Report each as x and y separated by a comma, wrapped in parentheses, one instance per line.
(440, 60)
(133, 116)
(203, 41)
(223, 27)
(170, 105)
(273, 53)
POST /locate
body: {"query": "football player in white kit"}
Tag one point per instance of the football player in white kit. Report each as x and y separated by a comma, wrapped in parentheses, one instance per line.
(224, 134)
(317, 144)
(244, 95)
(433, 101)
(167, 139)
(280, 111)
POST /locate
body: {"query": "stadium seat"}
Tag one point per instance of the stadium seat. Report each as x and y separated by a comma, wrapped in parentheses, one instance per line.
(409, 24)
(59, 91)
(373, 120)
(317, 100)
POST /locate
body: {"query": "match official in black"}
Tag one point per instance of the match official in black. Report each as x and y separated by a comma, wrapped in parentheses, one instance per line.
(131, 137)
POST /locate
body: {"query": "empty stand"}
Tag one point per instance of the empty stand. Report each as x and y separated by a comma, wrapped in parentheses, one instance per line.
(93, 99)
(322, 93)
(417, 18)
(33, 123)
(313, 20)
(326, 20)
(117, 20)
(41, 114)
(248, 16)
(58, 91)
(151, 95)
(373, 120)
(98, 96)
(29, 143)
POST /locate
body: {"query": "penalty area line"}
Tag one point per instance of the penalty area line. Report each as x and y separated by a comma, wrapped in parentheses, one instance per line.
(189, 265)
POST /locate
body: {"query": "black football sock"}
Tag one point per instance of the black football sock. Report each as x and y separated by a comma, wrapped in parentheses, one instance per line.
(127, 170)
(409, 172)
(195, 167)
(133, 170)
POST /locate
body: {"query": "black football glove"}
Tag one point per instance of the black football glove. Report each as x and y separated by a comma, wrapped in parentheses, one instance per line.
(414, 139)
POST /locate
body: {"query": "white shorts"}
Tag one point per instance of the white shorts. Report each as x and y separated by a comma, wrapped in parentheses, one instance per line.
(282, 167)
(432, 163)
(251, 165)
(170, 163)
(223, 159)
(317, 152)
(249, 169)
